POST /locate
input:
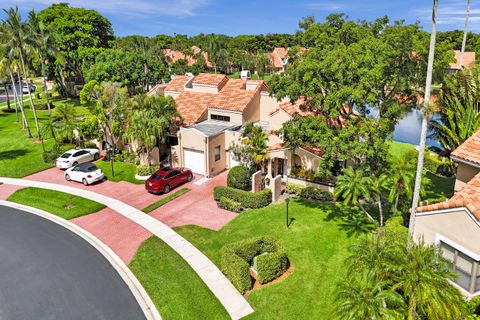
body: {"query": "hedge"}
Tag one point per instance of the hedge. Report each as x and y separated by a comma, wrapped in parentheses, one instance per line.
(50, 156)
(239, 177)
(228, 204)
(236, 259)
(310, 193)
(146, 170)
(251, 200)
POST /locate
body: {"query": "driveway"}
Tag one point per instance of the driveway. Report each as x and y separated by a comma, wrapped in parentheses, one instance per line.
(195, 207)
(49, 272)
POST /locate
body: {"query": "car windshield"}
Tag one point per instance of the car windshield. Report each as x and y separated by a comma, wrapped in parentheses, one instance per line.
(90, 168)
(156, 176)
(65, 155)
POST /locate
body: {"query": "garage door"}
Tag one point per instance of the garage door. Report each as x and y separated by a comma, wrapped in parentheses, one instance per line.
(194, 160)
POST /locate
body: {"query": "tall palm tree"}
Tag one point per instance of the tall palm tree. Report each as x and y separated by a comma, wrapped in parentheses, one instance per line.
(141, 133)
(365, 297)
(353, 186)
(255, 140)
(376, 189)
(465, 32)
(42, 41)
(401, 179)
(425, 119)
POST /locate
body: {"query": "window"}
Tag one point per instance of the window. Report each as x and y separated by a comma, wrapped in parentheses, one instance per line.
(217, 153)
(464, 266)
(219, 117)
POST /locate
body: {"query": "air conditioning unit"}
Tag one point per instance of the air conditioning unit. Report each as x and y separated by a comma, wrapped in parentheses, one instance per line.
(245, 75)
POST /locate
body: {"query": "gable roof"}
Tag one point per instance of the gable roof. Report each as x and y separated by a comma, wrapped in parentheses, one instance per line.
(210, 79)
(177, 83)
(174, 55)
(278, 57)
(468, 197)
(469, 150)
(469, 59)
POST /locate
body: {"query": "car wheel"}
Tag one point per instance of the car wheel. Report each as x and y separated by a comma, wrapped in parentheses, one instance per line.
(67, 177)
(75, 163)
(166, 189)
(96, 156)
(190, 177)
(85, 182)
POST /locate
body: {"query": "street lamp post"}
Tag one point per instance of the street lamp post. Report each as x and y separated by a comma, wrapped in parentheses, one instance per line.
(287, 200)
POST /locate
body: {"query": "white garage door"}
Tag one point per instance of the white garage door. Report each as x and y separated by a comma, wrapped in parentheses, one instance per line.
(234, 161)
(194, 160)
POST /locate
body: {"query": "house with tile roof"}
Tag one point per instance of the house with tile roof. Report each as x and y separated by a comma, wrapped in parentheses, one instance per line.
(172, 56)
(214, 109)
(468, 60)
(454, 225)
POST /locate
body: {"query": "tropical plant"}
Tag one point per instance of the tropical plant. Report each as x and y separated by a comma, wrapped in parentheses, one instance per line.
(254, 145)
(401, 178)
(378, 185)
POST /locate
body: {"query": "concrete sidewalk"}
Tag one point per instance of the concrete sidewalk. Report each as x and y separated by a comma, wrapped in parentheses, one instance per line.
(233, 302)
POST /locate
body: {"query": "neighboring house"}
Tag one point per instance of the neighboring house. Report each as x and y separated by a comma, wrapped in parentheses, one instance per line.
(171, 56)
(279, 59)
(454, 225)
(468, 60)
(214, 109)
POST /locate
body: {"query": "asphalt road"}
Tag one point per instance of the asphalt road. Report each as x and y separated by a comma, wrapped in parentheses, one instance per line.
(48, 272)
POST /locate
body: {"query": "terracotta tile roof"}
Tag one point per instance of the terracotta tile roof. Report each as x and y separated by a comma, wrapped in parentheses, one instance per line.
(192, 105)
(319, 152)
(468, 197)
(276, 146)
(469, 59)
(174, 55)
(211, 79)
(177, 83)
(278, 56)
(298, 107)
(470, 149)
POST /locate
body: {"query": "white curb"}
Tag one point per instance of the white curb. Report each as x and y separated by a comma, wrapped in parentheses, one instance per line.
(146, 304)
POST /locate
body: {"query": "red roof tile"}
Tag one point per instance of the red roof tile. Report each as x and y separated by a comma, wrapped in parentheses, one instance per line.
(470, 149)
(174, 55)
(177, 83)
(278, 57)
(192, 105)
(469, 59)
(211, 79)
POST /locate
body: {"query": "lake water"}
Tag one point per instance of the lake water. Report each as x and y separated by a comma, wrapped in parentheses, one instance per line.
(408, 129)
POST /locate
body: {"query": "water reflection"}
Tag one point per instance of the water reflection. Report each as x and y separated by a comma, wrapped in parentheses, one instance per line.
(408, 129)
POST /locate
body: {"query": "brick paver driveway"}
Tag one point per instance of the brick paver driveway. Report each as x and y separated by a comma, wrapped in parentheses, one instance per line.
(195, 207)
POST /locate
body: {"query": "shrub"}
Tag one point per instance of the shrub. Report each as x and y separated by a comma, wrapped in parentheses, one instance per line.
(228, 204)
(43, 105)
(237, 257)
(50, 156)
(445, 169)
(293, 188)
(90, 145)
(431, 163)
(245, 198)
(239, 177)
(312, 193)
(146, 170)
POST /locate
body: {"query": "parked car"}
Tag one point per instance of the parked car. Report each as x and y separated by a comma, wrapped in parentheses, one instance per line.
(164, 180)
(86, 173)
(75, 156)
(27, 87)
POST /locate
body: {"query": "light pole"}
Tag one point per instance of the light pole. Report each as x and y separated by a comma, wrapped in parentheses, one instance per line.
(287, 200)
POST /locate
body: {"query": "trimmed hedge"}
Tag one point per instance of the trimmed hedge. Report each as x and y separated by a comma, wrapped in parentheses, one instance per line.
(246, 199)
(310, 193)
(146, 170)
(239, 177)
(229, 204)
(237, 257)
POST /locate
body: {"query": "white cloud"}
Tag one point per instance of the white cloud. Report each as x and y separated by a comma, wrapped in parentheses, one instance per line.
(327, 6)
(178, 8)
(451, 15)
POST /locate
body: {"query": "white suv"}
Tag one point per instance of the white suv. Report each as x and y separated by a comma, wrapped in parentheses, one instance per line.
(75, 156)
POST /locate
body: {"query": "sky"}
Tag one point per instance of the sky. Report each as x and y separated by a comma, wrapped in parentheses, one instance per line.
(191, 17)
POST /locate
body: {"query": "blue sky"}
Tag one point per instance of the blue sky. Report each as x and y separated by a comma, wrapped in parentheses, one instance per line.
(150, 17)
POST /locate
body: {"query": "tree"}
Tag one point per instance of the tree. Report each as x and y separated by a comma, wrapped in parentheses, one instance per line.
(141, 132)
(253, 151)
(401, 178)
(262, 63)
(378, 185)
(425, 119)
(465, 33)
(353, 186)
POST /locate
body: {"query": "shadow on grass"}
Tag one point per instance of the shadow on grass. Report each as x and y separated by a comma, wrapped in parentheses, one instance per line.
(349, 218)
(12, 154)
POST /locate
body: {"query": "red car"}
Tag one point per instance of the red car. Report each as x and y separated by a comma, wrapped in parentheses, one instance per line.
(164, 180)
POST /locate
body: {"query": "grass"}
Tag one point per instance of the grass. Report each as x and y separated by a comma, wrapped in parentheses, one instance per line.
(123, 171)
(61, 204)
(176, 290)
(165, 200)
(397, 149)
(317, 245)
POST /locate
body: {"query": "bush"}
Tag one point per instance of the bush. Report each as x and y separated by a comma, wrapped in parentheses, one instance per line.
(237, 257)
(239, 177)
(230, 205)
(293, 188)
(43, 105)
(245, 198)
(50, 156)
(431, 163)
(146, 170)
(445, 170)
(312, 193)
(90, 145)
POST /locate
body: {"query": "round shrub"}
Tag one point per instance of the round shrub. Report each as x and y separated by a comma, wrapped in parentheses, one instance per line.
(239, 178)
(146, 170)
(236, 259)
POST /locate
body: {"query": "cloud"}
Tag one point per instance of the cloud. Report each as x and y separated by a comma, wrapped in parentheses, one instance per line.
(451, 14)
(176, 8)
(327, 6)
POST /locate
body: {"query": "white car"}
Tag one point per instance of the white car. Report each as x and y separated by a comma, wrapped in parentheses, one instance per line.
(75, 156)
(86, 173)
(26, 87)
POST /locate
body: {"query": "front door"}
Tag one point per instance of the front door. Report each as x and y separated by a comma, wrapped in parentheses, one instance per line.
(281, 167)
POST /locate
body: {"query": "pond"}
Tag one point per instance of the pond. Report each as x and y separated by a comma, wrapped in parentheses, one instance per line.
(408, 129)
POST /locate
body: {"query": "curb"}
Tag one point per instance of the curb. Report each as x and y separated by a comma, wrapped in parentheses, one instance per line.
(146, 304)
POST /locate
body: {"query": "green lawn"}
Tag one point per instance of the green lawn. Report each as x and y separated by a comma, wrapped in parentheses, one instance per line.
(317, 244)
(61, 204)
(399, 148)
(123, 171)
(165, 200)
(176, 290)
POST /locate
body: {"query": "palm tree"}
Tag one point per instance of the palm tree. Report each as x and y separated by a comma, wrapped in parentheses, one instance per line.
(465, 32)
(140, 131)
(255, 140)
(401, 179)
(353, 186)
(376, 189)
(43, 43)
(425, 119)
(365, 297)
(423, 281)
(15, 34)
